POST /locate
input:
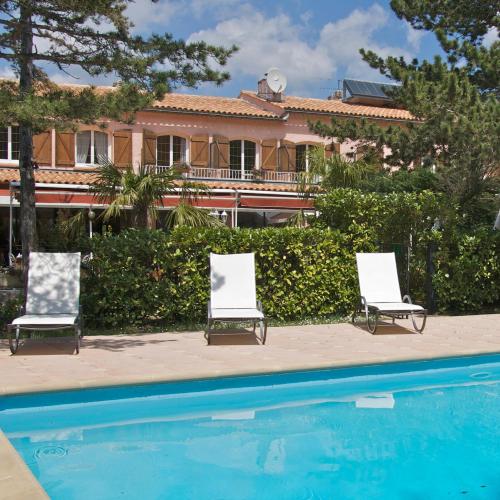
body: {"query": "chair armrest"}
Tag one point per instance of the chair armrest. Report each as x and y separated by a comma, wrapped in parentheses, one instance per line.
(407, 299)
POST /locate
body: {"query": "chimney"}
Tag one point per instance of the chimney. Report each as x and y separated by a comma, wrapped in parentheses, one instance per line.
(336, 96)
(264, 92)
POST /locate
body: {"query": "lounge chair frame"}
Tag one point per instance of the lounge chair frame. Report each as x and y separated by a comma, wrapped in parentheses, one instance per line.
(65, 311)
(212, 322)
(395, 313)
(14, 340)
(233, 295)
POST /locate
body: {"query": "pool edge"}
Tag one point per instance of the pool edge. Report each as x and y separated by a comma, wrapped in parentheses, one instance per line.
(146, 380)
(17, 482)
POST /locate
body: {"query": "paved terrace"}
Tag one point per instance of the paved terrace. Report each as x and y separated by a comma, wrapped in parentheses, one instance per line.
(49, 364)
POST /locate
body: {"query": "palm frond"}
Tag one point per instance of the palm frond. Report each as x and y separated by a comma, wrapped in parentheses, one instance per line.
(185, 214)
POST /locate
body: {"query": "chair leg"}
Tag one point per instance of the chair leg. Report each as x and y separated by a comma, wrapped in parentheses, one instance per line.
(263, 331)
(13, 343)
(421, 329)
(372, 329)
(207, 333)
(77, 339)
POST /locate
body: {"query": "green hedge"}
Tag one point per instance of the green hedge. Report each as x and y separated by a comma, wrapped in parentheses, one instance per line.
(140, 276)
(467, 275)
(391, 217)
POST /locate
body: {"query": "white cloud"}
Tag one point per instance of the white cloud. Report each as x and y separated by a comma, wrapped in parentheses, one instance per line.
(269, 41)
(145, 14)
(266, 41)
(345, 37)
(490, 37)
(414, 36)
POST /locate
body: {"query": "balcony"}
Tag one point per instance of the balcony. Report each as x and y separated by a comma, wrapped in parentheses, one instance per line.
(227, 174)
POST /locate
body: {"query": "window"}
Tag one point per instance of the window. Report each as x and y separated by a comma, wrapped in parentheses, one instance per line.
(91, 147)
(170, 150)
(302, 156)
(9, 143)
(241, 158)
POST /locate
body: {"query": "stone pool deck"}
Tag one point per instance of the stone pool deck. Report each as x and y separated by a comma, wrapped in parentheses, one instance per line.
(49, 364)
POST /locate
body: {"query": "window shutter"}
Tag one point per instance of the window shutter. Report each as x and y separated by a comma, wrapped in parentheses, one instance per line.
(122, 148)
(287, 160)
(220, 152)
(148, 147)
(270, 154)
(199, 151)
(332, 148)
(42, 148)
(65, 149)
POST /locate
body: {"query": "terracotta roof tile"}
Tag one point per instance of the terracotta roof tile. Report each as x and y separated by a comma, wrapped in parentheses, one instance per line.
(54, 176)
(212, 104)
(50, 176)
(334, 106)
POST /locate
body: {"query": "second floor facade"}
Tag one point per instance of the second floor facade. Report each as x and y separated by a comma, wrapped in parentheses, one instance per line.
(247, 138)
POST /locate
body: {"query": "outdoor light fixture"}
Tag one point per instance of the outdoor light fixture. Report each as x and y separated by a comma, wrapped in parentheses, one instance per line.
(222, 216)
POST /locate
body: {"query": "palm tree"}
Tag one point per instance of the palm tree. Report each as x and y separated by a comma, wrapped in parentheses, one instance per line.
(328, 173)
(141, 194)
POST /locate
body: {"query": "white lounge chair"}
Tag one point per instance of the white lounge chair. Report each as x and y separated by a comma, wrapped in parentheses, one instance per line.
(53, 298)
(380, 292)
(233, 293)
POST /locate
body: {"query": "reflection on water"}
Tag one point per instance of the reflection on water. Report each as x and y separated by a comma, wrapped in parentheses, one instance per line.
(437, 442)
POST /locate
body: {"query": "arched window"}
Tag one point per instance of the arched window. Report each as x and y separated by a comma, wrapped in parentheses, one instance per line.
(170, 150)
(92, 147)
(241, 158)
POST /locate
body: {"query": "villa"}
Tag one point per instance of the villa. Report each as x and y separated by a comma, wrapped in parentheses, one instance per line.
(247, 150)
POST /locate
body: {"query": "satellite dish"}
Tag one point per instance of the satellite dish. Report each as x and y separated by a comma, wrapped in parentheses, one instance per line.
(276, 80)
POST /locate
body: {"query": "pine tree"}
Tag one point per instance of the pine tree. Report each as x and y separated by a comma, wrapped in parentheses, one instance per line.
(94, 36)
(454, 101)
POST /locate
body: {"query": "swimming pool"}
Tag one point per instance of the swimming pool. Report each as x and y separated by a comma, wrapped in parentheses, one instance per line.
(403, 430)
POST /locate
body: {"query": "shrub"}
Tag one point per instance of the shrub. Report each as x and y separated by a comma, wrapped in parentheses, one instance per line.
(139, 276)
(467, 275)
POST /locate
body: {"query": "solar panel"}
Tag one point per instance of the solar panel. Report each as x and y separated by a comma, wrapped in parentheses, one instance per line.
(367, 89)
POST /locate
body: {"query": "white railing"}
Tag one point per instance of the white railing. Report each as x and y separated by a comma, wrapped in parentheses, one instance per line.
(227, 174)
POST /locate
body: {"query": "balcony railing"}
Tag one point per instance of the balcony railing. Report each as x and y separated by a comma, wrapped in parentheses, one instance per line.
(227, 174)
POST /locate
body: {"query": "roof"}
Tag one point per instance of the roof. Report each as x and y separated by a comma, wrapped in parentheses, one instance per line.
(190, 103)
(82, 178)
(336, 106)
(373, 90)
(212, 104)
(50, 176)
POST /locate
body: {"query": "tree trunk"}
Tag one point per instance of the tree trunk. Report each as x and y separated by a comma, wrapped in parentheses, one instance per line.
(28, 212)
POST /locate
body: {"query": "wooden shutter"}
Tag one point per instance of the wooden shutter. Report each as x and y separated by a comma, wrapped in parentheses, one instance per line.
(270, 154)
(287, 159)
(122, 148)
(330, 149)
(42, 148)
(220, 152)
(65, 149)
(148, 147)
(199, 151)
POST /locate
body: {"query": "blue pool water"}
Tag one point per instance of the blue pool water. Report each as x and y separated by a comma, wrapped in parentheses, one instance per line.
(404, 431)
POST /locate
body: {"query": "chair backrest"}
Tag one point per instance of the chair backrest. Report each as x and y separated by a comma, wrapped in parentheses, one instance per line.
(378, 277)
(232, 281)
(53, 283)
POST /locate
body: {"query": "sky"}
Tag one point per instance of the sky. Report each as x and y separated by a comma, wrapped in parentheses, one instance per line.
(315, 43)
